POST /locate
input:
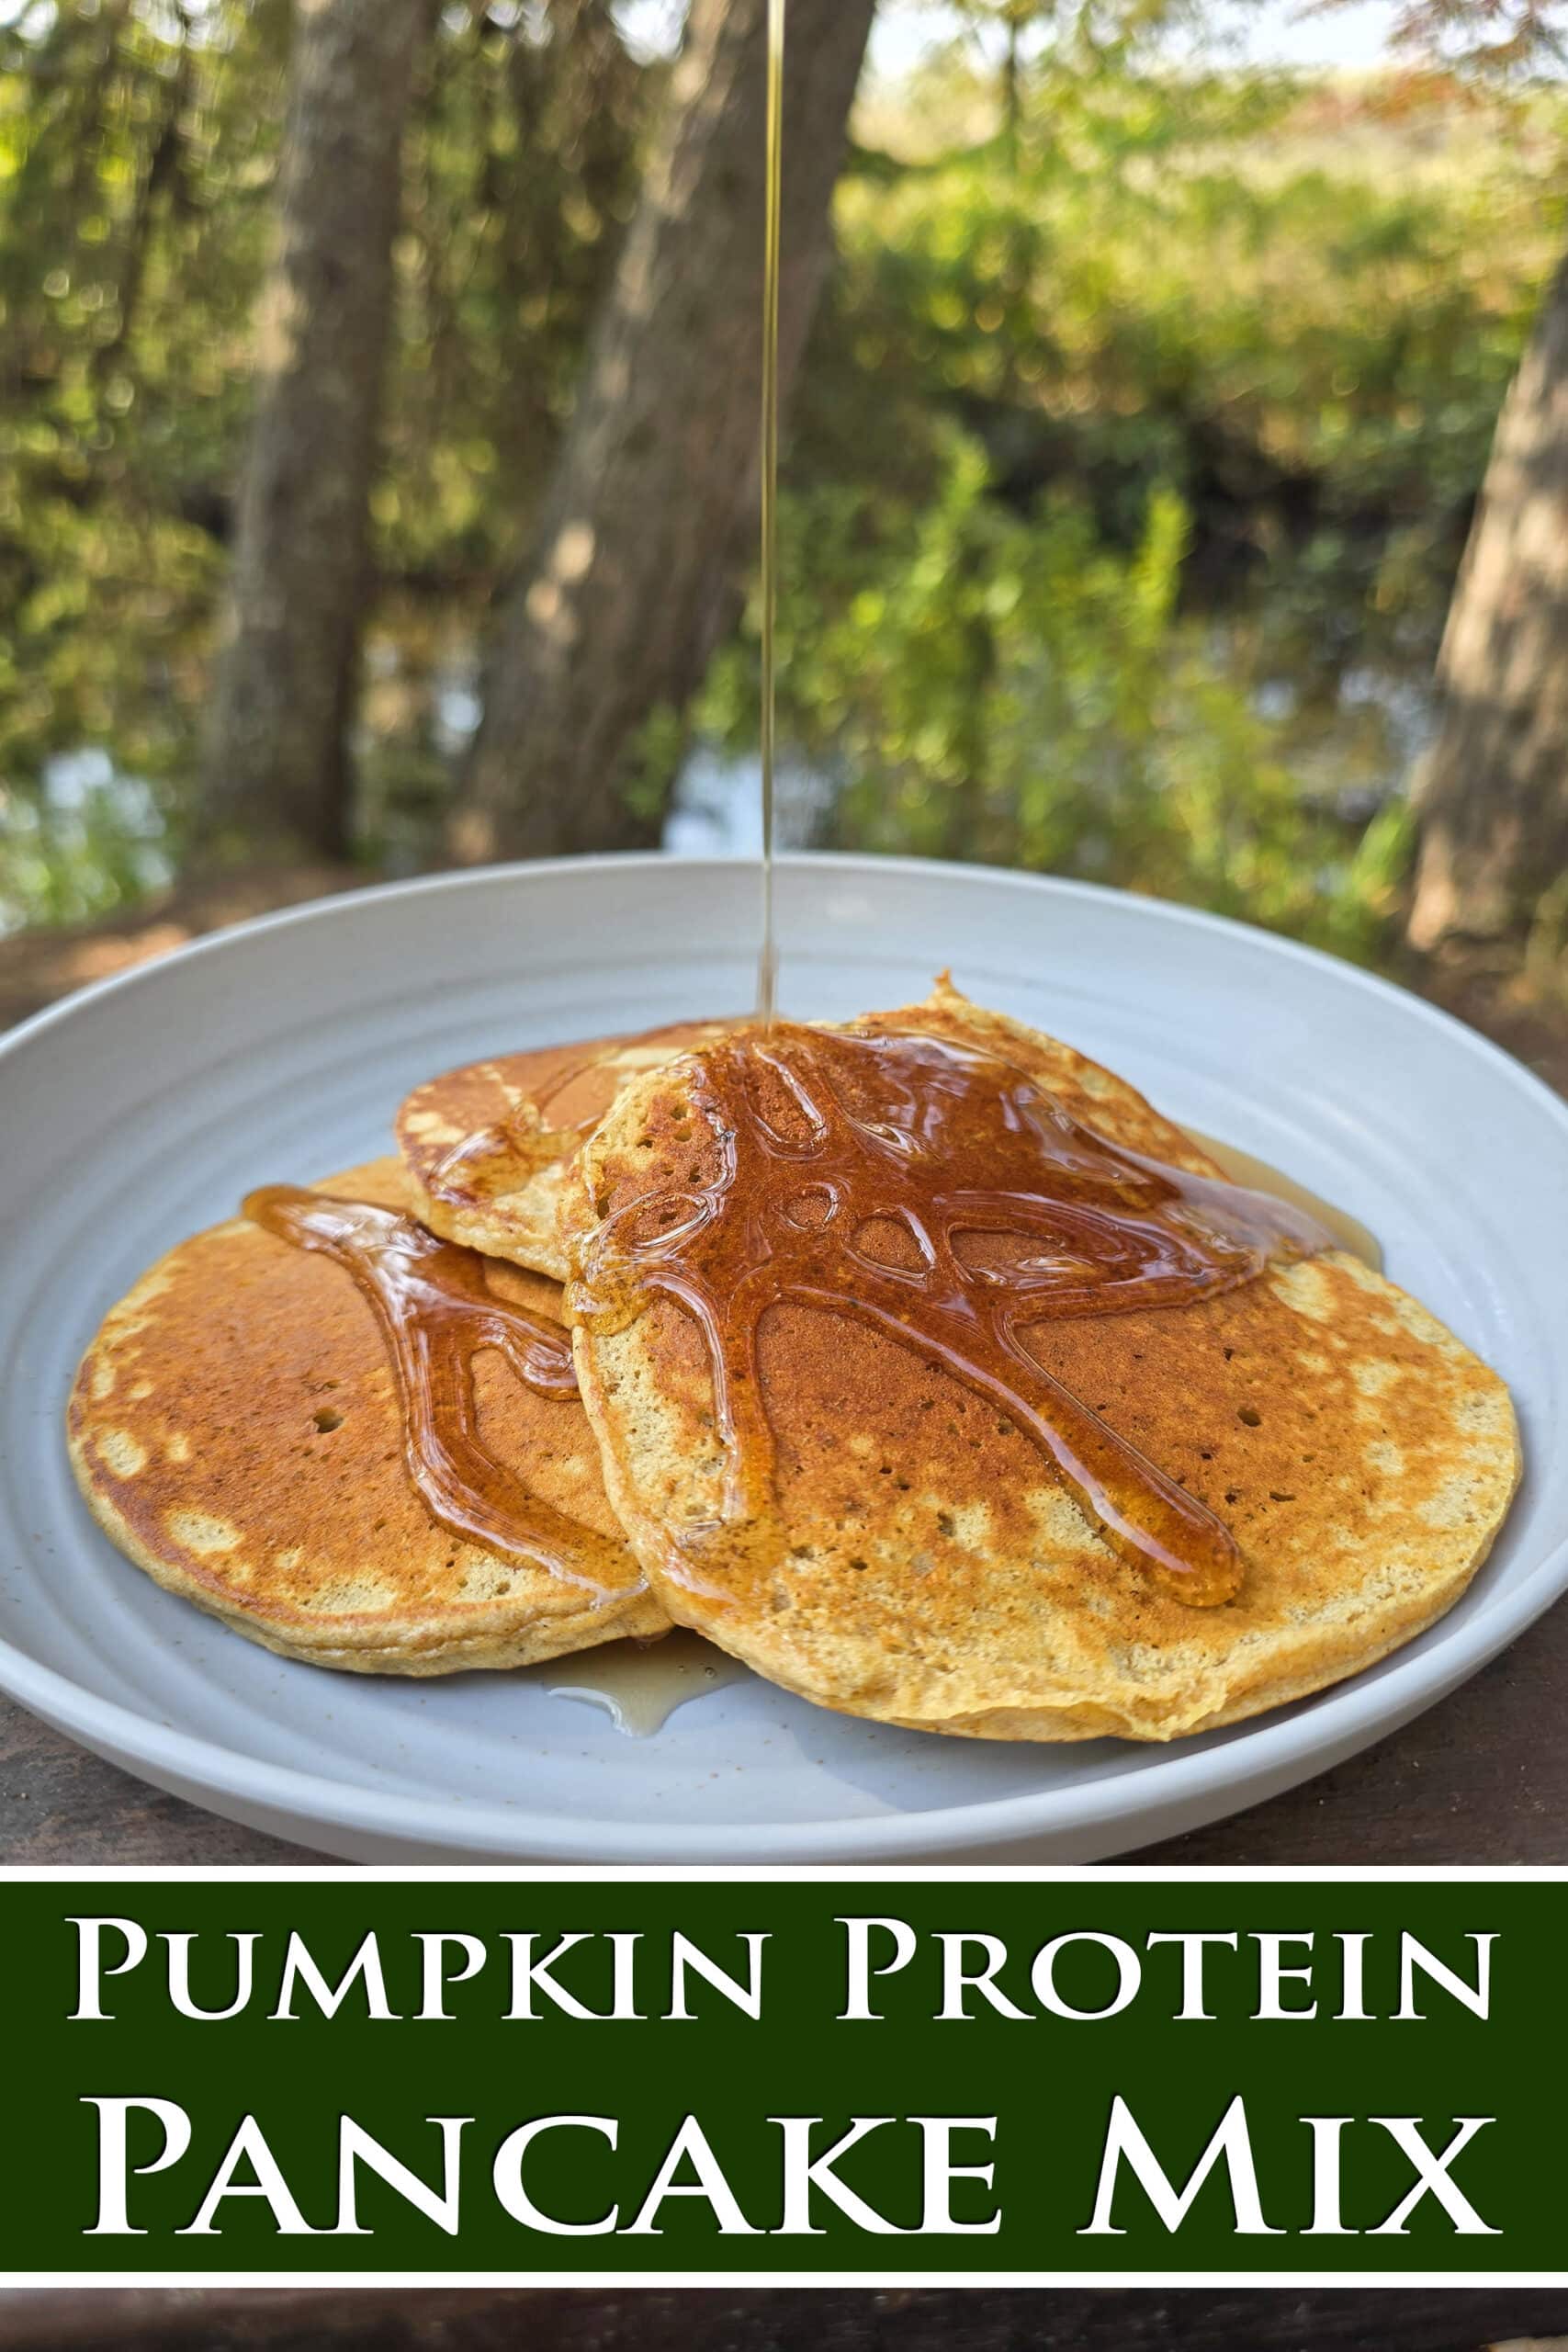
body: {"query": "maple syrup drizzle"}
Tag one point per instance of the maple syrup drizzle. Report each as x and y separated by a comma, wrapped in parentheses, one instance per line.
(1011, 1213)
(491, 1161)
(494, 1161)
(436, 1315)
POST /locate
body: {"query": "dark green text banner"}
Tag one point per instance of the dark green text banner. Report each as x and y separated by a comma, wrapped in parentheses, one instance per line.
(892, 2077)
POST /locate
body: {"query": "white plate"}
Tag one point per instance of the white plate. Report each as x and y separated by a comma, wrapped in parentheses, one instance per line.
(143, 1108)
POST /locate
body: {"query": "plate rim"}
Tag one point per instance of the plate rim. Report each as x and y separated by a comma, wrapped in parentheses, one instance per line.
(1279, 1750)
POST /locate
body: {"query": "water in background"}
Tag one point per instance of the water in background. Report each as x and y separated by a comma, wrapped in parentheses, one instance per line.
(717, 807)
(97, 836)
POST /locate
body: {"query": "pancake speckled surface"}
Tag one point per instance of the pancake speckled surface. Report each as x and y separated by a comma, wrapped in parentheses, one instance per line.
(927, 1565)
(487, 1146)
(236, 1432)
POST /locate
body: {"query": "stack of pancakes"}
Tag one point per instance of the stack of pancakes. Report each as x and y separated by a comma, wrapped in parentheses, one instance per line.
(237, 1428)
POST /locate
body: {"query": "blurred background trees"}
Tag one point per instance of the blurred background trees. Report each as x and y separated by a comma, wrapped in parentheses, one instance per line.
(650, 513)
(276, 764)
(1491, 793)
(384, 492)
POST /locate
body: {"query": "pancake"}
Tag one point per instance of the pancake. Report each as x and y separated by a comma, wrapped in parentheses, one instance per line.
(921, 1559)
(236, 1430)
(487, 1146)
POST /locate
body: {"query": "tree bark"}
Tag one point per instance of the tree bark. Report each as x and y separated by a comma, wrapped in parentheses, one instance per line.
(619, 607)
(275, 766)
(1492, 794)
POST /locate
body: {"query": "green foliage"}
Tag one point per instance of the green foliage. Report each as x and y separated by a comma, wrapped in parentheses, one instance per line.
(1223, 356)
(1003, 687)
(137, 145)
(134, 159)
(1143, 421)
(1300, 308)
(88, 841)
(522, 171)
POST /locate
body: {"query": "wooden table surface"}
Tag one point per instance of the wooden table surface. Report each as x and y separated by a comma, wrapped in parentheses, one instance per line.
(978, 2319)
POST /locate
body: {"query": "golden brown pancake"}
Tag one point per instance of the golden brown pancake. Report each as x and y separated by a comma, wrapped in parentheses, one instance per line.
(926, 1563)
(486, 1145)
(236, 1432)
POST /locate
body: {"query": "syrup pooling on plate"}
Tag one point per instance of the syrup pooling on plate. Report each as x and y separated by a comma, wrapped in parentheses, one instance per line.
(436, 1315)
(1244, 1168)
(944, 1199)
(641, 1684)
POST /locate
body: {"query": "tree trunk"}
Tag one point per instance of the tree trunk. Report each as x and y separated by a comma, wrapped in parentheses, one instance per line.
(628, 587)
(1492, 794)
(276, 768)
